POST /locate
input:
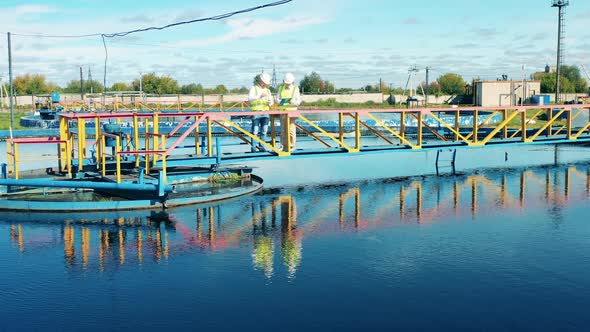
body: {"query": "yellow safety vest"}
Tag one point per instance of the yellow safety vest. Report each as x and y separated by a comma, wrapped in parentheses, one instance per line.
(285, 93)
(260, 104)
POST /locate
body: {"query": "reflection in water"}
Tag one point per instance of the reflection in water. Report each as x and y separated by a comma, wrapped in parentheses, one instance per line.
(273, 226)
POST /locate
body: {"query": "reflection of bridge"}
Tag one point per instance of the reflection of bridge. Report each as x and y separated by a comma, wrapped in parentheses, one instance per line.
(267, 222)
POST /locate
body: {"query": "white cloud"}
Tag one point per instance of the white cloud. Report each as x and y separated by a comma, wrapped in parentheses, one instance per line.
(245, 28)
(34, 9)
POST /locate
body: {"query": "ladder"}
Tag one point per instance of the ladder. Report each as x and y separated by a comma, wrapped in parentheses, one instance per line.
(444, 156)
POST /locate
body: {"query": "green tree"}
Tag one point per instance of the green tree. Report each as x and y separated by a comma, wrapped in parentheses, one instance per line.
(120, 86)
(152, 83)
(241, 90)
(33, 84)
(192, 89)
(433, 89)
(451, 84)
(571, 80)
(313, 83)
(374, 88)
(93, 86)
(220, 89)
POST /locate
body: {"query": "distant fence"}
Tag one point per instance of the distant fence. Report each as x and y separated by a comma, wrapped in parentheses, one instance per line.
(352, 98)
(360, 98)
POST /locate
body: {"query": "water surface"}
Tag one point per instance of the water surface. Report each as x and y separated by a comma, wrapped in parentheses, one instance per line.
(491, 250)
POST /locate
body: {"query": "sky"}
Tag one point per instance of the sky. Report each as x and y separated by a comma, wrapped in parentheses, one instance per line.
(349, 42)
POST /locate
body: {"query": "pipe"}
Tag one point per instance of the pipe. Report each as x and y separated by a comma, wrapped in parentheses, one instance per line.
(83, 185)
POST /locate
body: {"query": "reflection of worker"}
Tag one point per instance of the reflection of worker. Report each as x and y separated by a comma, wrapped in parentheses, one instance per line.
(288, 98)
(290, 237)
(260, 99)
(263, 251)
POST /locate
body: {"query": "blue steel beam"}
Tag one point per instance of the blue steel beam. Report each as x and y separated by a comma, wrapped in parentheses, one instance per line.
(44, 183)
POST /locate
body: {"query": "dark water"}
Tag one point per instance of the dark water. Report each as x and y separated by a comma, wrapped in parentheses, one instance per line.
(496, 250)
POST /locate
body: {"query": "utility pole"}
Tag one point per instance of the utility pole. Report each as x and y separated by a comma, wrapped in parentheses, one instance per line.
(523, 87)
(380, 82)
(140, 82)
(10, 82)
(427, 86)
(560, 4)
(90, 81)
(81, 84)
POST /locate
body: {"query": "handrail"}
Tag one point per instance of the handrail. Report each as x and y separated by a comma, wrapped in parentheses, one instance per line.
(12, 152)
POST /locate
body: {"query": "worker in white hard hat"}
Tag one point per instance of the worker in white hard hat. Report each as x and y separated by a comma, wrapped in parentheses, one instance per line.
(260, 99)
(288, 98)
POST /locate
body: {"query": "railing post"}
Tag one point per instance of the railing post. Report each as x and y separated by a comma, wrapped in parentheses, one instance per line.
(475, 125)
(550, 118)
(357, 131)
(164, 173)
(273, 134)
(156, 131)
(341, 126)
(457, 124)
(118, 157)
(146, 136)
(203, 145)
(81, 143)
(147, 154)
(209, 138)
(16, 161)
(64, 130)
(97, 135)
(103, 155)
(402, 126)
(217, 151)
(68, 161)
(419, 129)
(505, 128)
(9, 156)
(196, 137)
(523, 124)
(136, 138)
(569, 124)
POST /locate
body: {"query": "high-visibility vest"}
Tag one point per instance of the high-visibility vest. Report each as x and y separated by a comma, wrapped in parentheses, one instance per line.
(287, 93)
(260, 104)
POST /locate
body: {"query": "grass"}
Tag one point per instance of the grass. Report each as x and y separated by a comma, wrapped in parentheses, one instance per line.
(5, 120)
(225, 178)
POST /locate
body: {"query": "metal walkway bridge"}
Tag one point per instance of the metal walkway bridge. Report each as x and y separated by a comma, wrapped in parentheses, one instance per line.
(186, 145)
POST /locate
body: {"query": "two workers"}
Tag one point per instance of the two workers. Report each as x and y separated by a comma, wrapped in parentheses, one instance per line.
(287, 99)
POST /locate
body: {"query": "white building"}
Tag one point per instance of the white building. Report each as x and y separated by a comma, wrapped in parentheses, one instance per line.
(504, 93)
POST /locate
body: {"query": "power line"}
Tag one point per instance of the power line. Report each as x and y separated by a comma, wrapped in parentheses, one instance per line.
(125, 33)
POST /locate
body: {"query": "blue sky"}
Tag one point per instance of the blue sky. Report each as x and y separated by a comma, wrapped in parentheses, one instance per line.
(349, 42)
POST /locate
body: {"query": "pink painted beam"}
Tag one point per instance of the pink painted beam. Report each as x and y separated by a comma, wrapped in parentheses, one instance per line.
(36, 140)
(178, 126)
(185, 134)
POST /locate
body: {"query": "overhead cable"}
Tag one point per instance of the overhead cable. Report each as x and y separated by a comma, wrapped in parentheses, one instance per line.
(125, 33)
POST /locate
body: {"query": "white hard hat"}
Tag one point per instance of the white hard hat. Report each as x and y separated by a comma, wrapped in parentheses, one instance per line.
(265, 78)
(289, 78)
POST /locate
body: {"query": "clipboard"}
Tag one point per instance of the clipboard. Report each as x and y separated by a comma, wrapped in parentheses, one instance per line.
(284, 101)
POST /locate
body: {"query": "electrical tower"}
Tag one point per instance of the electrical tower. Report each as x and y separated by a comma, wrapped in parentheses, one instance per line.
(560, 4)
(273, 82)
(411, 72)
